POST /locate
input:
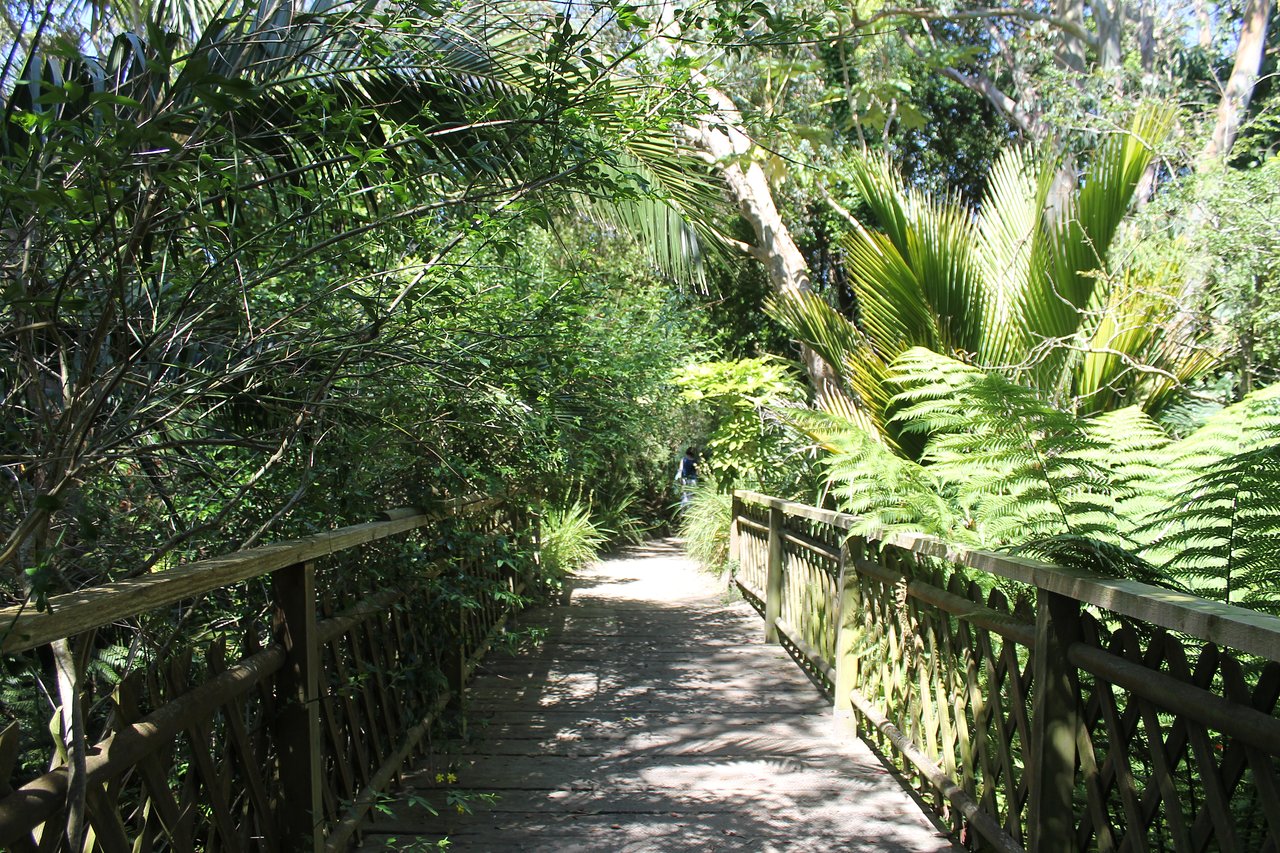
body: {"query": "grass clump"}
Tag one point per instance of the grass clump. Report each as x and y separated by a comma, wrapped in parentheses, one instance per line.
(570, 540)
(704, 525)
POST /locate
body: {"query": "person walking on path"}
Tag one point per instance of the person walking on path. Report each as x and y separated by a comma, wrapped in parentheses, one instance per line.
(687, 475)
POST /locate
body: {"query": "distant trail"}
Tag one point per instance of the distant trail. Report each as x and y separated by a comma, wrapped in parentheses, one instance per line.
(653, 717)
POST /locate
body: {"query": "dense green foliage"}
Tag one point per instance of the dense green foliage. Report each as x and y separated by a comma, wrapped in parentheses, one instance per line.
(260, 286)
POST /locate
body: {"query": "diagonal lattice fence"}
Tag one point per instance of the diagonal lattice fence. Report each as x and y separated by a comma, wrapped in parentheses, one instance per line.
(1038, 708)
(278, 731)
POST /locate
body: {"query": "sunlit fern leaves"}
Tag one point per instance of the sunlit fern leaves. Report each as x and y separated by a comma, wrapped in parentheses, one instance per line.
(1212, 497)
(930, 391)
(1247, 425)
(1094, 555)
(886, 491)
(1224, 533)
(1133, 449)
(1019, 467)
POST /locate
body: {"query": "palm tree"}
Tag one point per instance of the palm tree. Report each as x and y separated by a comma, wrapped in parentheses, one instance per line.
(1025, 287)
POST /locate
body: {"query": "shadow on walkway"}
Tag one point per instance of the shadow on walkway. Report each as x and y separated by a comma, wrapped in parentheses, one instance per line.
(648, 715)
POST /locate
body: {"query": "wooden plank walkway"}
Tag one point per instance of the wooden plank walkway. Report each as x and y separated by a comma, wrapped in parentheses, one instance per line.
(651, 716)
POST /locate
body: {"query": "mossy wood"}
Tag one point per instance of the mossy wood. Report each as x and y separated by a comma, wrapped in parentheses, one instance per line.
(1036, 708)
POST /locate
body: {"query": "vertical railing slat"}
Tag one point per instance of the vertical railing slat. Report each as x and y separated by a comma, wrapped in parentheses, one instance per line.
(297, 724)
(773, 590)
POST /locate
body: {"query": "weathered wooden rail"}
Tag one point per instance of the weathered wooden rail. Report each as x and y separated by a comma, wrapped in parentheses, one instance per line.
(244, 737)
(1039, 708)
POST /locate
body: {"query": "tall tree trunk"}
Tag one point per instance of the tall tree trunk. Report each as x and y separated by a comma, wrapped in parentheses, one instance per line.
(1110, 18)
(1204, 24)
(1239, 89)
(728, 148)
(1070, 52)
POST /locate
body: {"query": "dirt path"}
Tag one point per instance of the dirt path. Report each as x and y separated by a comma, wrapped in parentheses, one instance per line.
(651, 716)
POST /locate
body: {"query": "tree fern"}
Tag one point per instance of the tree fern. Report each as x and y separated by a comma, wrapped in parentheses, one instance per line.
(1022, 468)
(1224, 535)
(1094, 555)
(886, 491)
(1133, 450)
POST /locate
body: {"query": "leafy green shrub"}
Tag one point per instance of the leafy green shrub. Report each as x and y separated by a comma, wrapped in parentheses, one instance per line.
(570, 540)
(704, 525)
(619, 521)
(748, 443)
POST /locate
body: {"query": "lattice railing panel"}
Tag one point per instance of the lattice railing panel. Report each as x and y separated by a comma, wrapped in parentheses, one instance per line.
(752, 569)
(208, 741)
(1154, 780)
(810, 580)
(1020, 698)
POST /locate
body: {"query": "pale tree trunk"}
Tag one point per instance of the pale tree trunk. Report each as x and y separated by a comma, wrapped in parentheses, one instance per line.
(728, 148)
(1110, 19)
(1070, 52)
(1147, 37)
(1204, 23)
(1239, 89)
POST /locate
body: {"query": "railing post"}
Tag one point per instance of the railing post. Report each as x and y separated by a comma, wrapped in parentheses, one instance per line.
(773, 584)
(735, 540)
(1054, 723)
(297, 728)
(848, 622)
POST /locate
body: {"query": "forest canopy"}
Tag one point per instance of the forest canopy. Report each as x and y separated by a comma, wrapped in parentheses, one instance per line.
(272, 266)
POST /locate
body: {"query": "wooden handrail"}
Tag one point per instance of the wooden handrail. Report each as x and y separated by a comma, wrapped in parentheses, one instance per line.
(1029, 716)
(1224, 624)
(22, 628)
(309, 715)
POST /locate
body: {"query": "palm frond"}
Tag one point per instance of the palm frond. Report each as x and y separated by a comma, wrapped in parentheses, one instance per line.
(1135, 352)
(809, 318)
(1072, 244)
(1007, 227)
(917, 281)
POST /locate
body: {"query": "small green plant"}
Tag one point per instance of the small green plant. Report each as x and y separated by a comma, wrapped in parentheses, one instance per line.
(704, 525)
(617, 520)
(570, 540)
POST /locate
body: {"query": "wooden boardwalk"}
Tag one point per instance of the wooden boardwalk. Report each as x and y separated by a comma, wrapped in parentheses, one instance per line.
(651, 716)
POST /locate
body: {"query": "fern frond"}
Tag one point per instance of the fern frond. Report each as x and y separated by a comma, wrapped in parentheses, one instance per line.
(1224, 535)
(1094, 555)
(1024, 468)
(886, 491)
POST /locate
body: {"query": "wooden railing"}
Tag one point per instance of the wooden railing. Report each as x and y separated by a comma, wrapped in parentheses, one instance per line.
(1038, 708)
(247, 737)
